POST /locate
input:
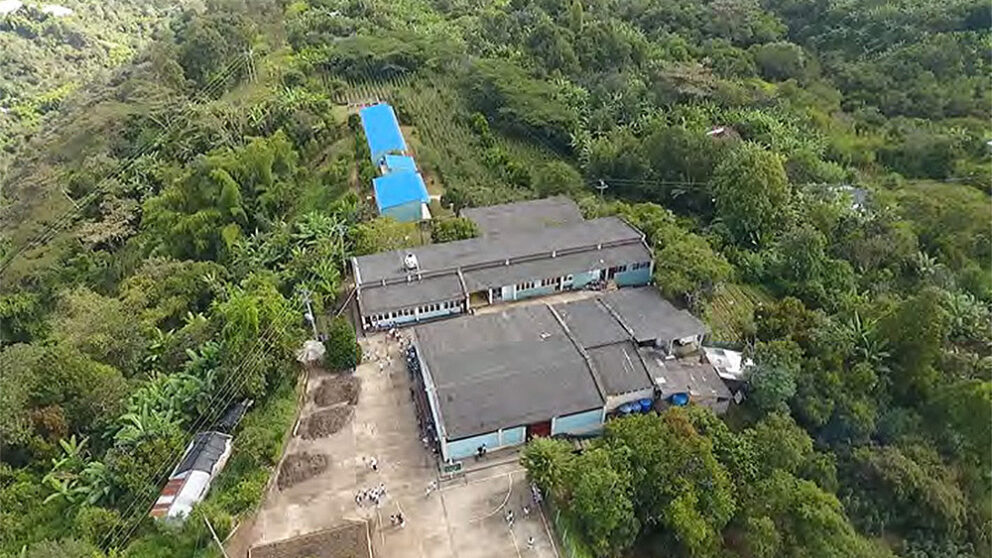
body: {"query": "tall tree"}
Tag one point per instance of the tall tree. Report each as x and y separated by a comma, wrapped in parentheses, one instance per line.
(752, 193)
(342, 350)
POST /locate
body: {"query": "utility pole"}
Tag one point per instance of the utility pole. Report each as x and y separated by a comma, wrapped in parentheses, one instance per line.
(309, 315)
(602, 186)
(216, 540)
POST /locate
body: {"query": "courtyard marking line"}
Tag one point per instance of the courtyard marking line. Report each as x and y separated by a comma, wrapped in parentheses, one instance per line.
(447, 527)
(514, 539)
(477, 481)
(509, 491)
(551, 538)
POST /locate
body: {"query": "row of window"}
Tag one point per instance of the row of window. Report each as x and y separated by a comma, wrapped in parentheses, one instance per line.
(548, 282)
(640, 265)
(413, 311)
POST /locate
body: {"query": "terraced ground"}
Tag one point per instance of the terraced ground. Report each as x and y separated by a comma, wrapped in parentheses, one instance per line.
(730, 314)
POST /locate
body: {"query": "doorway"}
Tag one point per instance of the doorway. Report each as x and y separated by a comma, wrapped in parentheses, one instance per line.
(539, 430)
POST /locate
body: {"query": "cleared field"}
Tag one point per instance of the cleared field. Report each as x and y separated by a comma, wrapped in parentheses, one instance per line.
(730, 314)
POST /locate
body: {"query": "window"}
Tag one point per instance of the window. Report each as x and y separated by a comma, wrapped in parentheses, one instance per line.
(640, 265)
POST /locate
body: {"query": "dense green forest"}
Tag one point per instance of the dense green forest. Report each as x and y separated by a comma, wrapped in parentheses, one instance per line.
(47, 53)
(813, 175)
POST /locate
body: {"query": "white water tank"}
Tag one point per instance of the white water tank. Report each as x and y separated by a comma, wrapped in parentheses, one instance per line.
(410, 262)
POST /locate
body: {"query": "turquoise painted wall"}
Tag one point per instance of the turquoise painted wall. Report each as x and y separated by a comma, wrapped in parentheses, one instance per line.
(398, 320)
(580, 280)
(466, 447)
(406, 213)
(514, 436)
(421, 317)
(579, 423)
(537, 291)
(633, 277)
(438, 313)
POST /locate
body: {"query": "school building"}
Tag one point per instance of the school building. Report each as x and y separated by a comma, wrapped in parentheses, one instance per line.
(526, 249)
(500, 378)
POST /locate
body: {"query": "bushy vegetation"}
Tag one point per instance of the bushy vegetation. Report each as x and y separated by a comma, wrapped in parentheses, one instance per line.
(821, 161)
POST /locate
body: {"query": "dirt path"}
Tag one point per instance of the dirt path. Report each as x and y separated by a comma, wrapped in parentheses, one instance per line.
(456, 521)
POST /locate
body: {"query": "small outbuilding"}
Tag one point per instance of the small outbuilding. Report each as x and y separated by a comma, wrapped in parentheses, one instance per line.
(402, 196)
(382, 132)
(189, 482)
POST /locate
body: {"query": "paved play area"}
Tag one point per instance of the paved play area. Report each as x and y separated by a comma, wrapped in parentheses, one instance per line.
(465, 517)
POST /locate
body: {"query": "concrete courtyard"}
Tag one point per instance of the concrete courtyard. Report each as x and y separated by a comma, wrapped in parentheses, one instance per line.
(464, 518)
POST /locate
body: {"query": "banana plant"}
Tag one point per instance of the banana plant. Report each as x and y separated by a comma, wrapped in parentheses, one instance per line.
(63, 478)
(143, 425)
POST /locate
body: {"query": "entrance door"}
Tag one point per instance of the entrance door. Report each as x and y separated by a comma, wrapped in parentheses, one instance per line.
(539, 429)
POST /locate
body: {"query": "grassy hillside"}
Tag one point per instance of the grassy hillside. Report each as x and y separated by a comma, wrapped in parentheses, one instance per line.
(46, 54)
(158, 226)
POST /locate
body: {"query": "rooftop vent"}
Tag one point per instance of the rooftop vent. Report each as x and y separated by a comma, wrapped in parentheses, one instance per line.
(410, 262)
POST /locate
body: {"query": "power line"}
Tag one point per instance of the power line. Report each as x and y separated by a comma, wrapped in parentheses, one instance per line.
(708, 183)
(67, 217)
(219, 402)
(222, 398)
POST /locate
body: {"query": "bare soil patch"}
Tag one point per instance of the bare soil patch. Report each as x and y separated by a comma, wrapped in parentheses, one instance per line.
(299, 467)
(339, 389)
(326, 422)
(347, 541)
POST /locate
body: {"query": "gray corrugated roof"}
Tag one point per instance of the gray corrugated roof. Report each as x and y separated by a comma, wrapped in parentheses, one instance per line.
(650, 316)
(205, 451)
(691, 375)
(620, 368)
(525, 215)
(590, 323)
(504, 369)
(543, 268)
(496, 250)
(378, 298)
(519, 366)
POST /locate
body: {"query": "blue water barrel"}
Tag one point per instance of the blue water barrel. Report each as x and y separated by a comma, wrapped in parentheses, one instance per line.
(679, 399)
(646, 405)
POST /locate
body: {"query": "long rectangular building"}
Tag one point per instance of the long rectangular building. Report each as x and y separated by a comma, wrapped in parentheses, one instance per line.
(505, 264)
(499, 378)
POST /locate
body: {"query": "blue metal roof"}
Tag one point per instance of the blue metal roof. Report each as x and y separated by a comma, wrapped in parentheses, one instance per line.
(398, 188)
(382, 130)
(400, 163)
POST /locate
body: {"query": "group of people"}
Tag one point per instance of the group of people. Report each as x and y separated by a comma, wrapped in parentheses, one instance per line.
(386, 361)
(372, 495)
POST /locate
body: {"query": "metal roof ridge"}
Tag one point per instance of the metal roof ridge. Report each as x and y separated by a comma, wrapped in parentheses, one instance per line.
(585, 355)
(616, 316)
(502, 261)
